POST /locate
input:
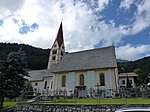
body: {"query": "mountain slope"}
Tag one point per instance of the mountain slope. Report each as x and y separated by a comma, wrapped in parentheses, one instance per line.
(37, 58)
(143, 63)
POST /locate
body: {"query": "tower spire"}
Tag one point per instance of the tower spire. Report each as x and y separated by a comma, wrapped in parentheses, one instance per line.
(59, 37)
(58, 49)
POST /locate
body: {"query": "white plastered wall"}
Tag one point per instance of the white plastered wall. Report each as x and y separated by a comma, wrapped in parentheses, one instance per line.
(91, 78)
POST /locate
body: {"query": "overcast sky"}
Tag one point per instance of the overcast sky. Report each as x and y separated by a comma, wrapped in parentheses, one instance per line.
(87, 24)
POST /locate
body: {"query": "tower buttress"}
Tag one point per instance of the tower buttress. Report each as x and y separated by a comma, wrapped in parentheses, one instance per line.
(57, 50)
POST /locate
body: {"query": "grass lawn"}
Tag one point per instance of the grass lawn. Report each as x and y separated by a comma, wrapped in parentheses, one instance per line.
(100, 101)
(8, 104)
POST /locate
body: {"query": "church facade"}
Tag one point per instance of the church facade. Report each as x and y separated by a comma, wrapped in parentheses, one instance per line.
(83, 70)
(86, 69)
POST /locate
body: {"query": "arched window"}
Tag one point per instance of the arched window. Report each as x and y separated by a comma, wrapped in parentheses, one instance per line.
(51, 84)
(45, 85)
(62, 53)
(36, 84)
(63, 84)
(102, 79)
(55, 45)
(81, 79)
(123, 81)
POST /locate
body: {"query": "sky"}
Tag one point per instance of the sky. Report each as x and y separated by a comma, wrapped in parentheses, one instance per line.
(87, 24)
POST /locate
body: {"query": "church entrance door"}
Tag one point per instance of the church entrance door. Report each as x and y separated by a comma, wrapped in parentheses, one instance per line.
(81, 91)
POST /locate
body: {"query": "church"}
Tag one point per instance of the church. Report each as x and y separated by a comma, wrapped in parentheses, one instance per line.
(82, 70)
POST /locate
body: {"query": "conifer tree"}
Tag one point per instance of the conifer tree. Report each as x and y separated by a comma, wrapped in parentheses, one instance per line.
(12, 75)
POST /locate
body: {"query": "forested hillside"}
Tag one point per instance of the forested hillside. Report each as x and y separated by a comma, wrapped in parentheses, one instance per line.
(37, 58)
(141, 67)
(143, 64)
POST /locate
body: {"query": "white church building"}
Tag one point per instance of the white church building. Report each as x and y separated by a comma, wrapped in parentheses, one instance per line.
(82, 70)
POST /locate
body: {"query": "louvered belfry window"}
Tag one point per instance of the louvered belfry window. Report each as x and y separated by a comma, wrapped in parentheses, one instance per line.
(54, 51)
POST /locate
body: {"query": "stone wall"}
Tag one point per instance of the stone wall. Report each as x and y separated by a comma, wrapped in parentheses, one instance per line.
(8, 109)
(26, 107)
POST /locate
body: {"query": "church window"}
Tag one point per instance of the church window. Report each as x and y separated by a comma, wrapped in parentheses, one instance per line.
(62, 53)
(102, 79)
(63, 81)
(55, 45)
(45, 85)
(51, 84)
(53, 57)
(36, 84)
(35, 89)
(63, 47)
(130, 81)
(54, 51)
(123, 81)
(81, 79)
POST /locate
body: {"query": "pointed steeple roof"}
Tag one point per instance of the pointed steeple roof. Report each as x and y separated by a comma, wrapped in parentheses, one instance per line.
(59, 37)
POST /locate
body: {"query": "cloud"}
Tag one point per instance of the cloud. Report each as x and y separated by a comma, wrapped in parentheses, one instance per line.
(97, 5)
(130, 52)
(78, 20)
(10, 6)
(36, 22)
(126, 4)
(141, 16)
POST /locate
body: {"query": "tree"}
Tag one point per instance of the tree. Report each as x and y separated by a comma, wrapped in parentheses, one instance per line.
(27, 91)
(12, 75)
(28, 87)
(140, 78)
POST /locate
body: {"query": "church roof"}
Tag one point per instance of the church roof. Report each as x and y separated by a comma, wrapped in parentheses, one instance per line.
(129, 74)
(87, 60)
(59, 37)
(37, 75)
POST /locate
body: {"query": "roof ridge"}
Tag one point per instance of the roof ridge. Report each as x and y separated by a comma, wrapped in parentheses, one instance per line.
(90, 50)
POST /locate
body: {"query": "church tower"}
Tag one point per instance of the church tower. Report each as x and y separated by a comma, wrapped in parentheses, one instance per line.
(57, 51)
